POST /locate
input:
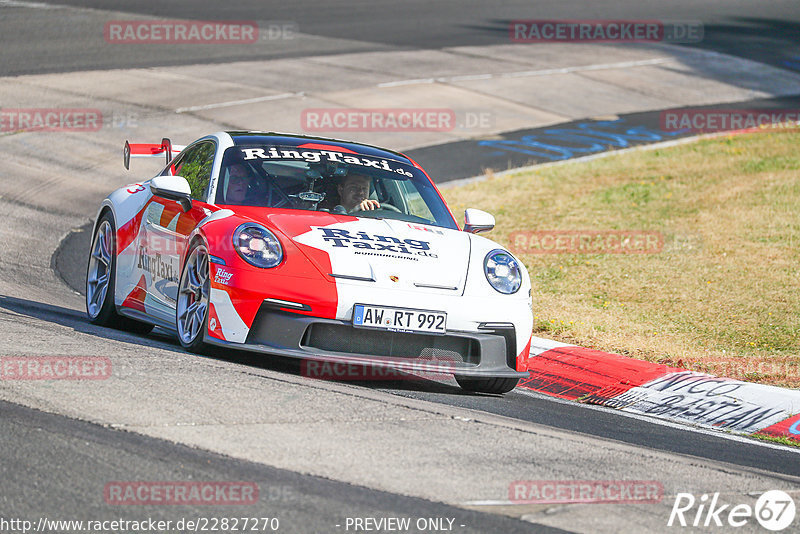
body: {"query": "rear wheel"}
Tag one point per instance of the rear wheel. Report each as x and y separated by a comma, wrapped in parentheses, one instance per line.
(100, 281)
(487, 385)
(193, 298)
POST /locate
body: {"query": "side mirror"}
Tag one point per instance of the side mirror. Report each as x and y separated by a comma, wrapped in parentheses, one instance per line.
(477, 221)
(172, 188)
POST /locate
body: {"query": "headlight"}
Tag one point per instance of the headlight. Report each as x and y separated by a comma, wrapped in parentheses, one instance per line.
(257, 245)
(502, 271)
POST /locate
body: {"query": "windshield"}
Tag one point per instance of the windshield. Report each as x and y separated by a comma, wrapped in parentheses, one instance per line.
(325, 180)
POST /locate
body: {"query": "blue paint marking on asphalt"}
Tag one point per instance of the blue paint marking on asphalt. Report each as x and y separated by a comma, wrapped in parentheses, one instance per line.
(792, 64)
(556, 144)
(795, 428)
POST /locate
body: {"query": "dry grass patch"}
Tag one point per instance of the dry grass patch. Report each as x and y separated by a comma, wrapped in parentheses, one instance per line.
(723, 294)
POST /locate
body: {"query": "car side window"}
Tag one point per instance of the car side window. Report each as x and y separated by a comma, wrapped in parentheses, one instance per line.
(195, 165)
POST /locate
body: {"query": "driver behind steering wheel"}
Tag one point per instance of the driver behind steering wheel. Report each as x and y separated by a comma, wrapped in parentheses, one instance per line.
(354, 193)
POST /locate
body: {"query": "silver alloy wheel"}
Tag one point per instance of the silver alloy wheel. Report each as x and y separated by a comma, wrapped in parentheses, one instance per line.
(193, 295)
(99, 274)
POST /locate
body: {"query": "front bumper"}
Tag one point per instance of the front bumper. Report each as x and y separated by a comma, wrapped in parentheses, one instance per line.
(488, 353)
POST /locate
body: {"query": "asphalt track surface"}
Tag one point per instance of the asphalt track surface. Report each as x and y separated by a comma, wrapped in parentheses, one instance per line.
(90, 455)
(768, 32)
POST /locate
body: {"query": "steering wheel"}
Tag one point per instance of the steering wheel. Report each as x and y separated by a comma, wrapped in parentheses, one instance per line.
(375, 212)
(342, 211)
(389, 207)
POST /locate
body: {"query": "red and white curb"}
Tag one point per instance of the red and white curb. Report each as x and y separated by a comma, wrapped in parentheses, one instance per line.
(651, 389)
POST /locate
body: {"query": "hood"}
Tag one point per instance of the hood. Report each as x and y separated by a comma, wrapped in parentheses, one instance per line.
(382, 252)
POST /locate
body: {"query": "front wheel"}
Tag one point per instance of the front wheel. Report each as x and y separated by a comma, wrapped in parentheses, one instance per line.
(487, 385)
(194, 290)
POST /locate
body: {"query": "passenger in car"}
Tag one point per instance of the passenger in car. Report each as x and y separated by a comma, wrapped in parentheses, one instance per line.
(239, 180)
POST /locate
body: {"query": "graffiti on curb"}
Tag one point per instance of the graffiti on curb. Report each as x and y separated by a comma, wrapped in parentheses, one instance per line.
(706, 400)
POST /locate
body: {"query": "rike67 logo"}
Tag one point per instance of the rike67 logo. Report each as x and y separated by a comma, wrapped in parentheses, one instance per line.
(774, 510)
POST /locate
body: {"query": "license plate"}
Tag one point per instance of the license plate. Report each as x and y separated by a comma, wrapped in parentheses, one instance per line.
(399, 319)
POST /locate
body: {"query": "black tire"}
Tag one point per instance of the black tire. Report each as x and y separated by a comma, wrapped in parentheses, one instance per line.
(496, 386)
(100, 306)
(193, 342)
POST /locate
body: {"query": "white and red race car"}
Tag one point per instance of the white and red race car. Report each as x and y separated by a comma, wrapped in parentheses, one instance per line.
(311, 248)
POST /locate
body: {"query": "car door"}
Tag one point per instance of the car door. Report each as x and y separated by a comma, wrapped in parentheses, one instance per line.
(168, 227)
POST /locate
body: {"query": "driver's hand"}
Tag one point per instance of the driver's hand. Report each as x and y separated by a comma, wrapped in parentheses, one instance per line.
(368, 205)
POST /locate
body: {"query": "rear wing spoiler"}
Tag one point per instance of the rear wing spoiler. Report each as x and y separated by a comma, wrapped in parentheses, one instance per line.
(150, 150)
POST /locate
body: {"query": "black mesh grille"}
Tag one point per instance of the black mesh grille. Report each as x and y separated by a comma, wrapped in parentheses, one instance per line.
(350, 340)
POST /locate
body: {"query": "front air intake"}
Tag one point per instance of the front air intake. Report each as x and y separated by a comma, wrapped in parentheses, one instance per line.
(361, 341)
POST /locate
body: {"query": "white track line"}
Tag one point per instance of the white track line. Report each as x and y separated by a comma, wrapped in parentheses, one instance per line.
(32, 5)
(450, 79)
(529, 73)
(601, 66)
(238, 102)
(501, 502)
(407, 82)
